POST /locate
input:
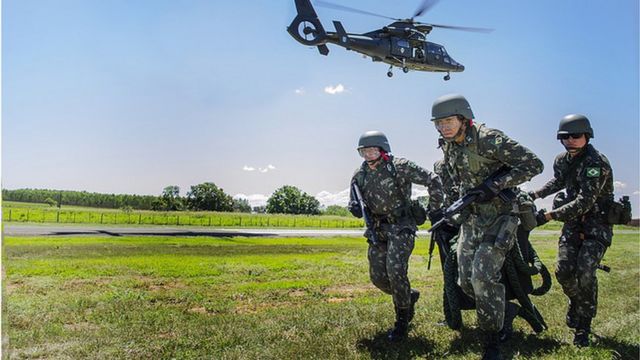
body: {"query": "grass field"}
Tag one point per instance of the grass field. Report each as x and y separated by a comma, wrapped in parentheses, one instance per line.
(267, 298)
(42, 213)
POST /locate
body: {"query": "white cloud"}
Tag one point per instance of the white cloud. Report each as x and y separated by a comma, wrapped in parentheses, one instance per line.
(619, 185)
(327, 198)
(334, 89)
(636, 192)
(260, 169)
(254, 199)
(299, 91)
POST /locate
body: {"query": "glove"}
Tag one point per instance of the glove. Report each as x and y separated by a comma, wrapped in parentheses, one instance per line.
(533, 195)
(540, 218)
(355, 209)
(435, 215)
(486, 191)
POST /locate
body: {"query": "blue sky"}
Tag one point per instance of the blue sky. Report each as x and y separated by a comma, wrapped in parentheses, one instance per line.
(132, 96)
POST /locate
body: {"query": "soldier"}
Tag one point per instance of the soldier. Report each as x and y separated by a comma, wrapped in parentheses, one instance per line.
(472, 153)
(385, 183)
(586, 175)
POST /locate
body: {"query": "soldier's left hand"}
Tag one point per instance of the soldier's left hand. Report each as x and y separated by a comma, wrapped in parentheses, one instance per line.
(486, 191)
(541, 217)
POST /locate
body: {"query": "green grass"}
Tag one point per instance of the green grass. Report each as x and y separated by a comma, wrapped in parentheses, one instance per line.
(41, 213)
(267, 298)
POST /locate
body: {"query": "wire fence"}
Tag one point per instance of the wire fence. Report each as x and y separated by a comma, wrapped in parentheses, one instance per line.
(178, 219)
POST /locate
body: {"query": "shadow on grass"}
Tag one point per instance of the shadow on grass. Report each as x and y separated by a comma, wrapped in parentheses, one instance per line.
(619, 350)
(527, 345)
(380, 348)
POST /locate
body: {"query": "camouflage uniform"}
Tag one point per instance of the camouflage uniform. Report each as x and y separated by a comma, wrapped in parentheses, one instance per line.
(384, 194)
(488, 229)
(588, 180)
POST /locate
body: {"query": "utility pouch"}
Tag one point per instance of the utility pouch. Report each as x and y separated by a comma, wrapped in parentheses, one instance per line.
(619, 212)
(418, 212)
(526, 212)
(507, 233)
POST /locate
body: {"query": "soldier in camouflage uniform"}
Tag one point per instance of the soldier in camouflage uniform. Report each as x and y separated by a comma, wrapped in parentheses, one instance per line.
(385, 182)
(472, 153)
(586, 175)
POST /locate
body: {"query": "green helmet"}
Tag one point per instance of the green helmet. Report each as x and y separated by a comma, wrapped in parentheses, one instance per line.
(449, 105)
(575, 124)
(374, 138)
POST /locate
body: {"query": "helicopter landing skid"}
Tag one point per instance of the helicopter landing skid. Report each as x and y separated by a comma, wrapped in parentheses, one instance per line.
(390, 71)
(447, 77)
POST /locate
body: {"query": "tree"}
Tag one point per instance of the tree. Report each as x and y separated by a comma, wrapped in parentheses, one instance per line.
(207, 196)
(241, 205)
(171, 198)
(337, 210)
(290, 200)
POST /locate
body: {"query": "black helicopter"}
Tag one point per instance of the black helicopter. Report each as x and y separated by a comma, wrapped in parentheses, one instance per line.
(401, 44)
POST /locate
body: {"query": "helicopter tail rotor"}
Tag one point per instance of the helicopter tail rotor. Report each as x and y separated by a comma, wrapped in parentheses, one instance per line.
(306, 27)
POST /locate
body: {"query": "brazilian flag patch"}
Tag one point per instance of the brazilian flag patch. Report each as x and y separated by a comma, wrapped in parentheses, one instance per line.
(593, 172)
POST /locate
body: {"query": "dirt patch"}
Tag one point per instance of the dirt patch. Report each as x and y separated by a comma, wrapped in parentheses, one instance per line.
(337, 300)
(82, 326)
(198, 310)
(252, 308)
(349, 290)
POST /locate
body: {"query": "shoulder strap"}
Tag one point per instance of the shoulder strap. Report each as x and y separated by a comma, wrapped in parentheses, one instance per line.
(472, 150)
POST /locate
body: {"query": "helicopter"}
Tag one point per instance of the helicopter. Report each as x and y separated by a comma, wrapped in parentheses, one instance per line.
(401, 44)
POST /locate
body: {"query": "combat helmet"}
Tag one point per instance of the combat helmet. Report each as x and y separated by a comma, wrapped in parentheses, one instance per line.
(374, 138)
(449, 105)
(575, 124)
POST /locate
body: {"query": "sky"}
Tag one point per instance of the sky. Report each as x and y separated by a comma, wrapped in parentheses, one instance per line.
(132, 96)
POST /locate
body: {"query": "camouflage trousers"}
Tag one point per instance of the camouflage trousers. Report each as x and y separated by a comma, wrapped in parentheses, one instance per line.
(482, 248)
(389, 265)
(576, 271)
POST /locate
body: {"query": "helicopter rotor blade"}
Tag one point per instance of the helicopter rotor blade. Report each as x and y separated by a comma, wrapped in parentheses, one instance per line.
(462, 28)
(349, 9)
(424, 7)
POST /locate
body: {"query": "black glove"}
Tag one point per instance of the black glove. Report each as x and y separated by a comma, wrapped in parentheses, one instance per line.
(355, 209)
(540, 218)
(532, 194)
(435, 215)
(486, 191)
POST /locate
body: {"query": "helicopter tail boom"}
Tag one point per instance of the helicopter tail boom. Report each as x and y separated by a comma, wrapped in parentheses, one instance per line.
(306, 27)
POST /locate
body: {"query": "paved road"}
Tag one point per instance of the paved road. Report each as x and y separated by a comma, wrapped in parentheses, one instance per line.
(21, 229)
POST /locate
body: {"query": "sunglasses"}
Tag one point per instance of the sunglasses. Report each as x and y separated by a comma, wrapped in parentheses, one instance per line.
(566, 136)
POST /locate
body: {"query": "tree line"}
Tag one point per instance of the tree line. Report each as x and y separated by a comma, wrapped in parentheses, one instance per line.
(202, 197)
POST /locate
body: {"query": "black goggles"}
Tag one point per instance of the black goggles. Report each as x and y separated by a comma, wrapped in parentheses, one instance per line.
(566, 136)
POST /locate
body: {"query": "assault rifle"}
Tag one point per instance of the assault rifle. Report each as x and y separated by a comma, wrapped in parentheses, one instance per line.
(366, 215)
(468, 199)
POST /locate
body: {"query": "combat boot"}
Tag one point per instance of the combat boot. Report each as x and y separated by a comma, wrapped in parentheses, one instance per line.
(491, 346)
(510, 313)
(581, 339)
(415, 295)
(572, 314)
(401, 327)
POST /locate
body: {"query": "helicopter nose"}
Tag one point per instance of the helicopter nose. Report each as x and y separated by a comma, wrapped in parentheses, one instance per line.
(460, 67)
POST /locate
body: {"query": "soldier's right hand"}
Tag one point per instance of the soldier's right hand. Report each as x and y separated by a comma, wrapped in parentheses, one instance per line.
(355, 209)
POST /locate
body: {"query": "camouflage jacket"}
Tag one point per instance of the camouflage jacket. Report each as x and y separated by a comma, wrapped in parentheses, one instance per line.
(481, 153)
(385, 193)
(588, 179)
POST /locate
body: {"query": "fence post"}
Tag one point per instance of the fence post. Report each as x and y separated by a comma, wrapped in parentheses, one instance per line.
(27, 215)
(58, 216)
(9, 214)
(74, 217)
(177, 219)
(139, 219)
(209, 220)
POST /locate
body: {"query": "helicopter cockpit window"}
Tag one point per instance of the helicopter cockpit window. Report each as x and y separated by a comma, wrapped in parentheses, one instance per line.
(446, 59)
(403, 43)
